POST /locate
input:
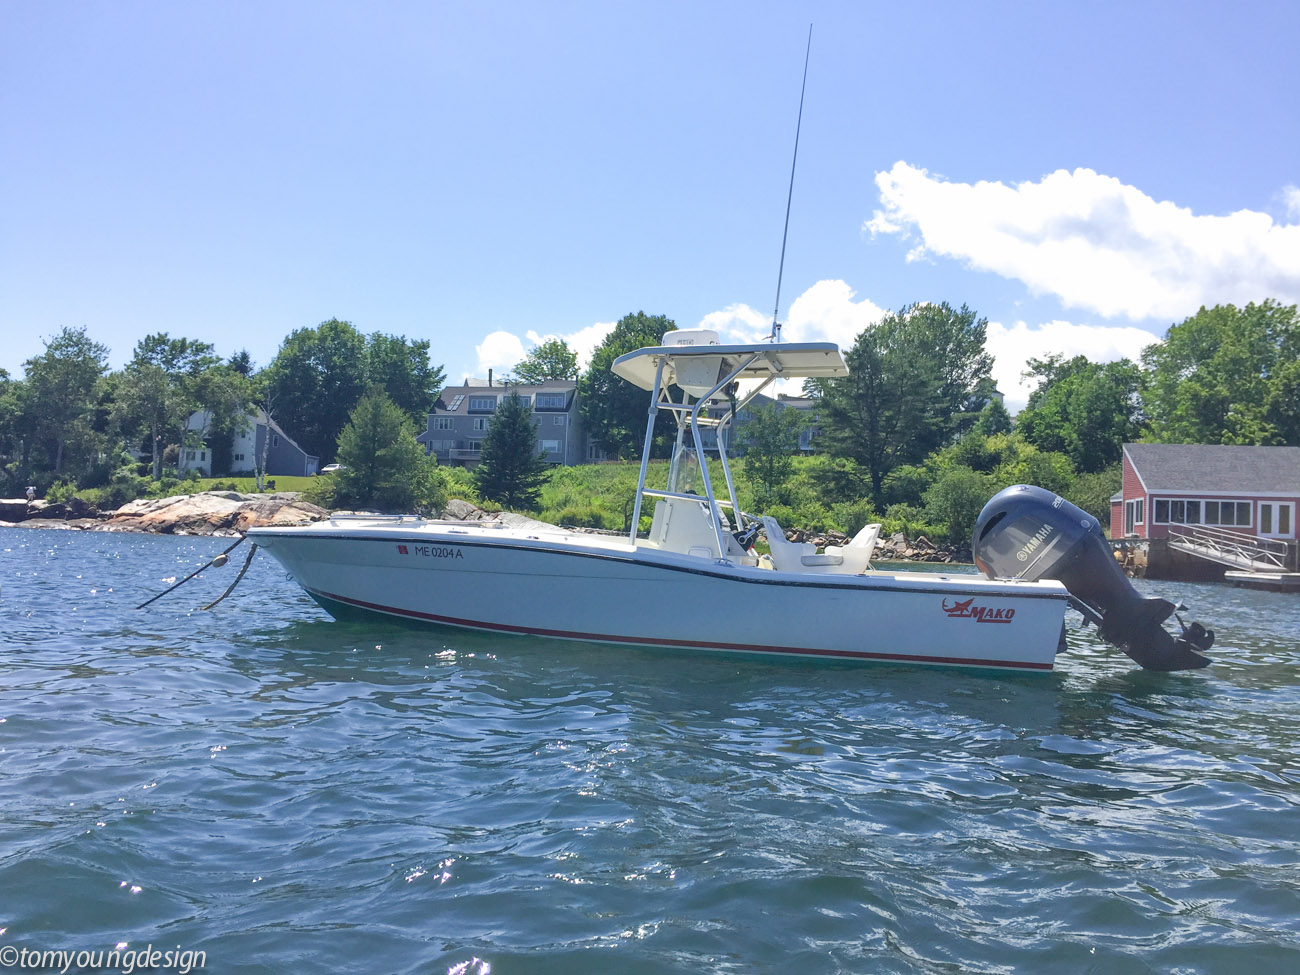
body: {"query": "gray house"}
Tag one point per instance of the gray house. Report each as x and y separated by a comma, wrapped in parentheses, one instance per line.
(462, 416)
(283, 455)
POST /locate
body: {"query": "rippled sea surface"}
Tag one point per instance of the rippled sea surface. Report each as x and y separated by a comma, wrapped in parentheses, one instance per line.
(287, 793)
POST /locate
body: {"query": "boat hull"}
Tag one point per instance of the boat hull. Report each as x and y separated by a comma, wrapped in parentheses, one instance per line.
(571, 588)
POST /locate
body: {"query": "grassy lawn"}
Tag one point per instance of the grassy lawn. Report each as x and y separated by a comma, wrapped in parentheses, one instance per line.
(248, 485)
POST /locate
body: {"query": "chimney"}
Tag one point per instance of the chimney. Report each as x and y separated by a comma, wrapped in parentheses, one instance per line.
(489, 377)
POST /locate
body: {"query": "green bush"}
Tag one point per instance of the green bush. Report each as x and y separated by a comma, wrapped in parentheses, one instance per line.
(586, 516)
(953, 502)
(59, 492)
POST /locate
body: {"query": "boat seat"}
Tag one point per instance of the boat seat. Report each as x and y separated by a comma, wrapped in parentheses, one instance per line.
(794, 556)
(856, 553)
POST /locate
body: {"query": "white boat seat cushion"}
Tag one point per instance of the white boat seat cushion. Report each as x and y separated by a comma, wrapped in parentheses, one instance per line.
(855, 555)
(788, 556)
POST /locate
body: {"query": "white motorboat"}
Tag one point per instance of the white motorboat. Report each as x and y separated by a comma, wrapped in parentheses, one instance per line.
(694, 580)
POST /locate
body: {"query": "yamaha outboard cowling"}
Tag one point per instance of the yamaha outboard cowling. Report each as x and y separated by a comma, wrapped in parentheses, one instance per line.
(1027, 532)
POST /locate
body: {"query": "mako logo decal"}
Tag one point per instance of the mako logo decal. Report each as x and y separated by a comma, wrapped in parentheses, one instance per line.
(967, 610)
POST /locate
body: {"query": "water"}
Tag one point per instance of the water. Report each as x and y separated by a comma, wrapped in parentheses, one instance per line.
(283, 792)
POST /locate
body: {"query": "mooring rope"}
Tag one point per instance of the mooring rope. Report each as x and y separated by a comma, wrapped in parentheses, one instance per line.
(247, 562)
(220, 560)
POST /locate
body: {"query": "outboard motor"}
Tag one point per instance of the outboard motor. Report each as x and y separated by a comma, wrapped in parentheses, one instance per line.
(1027, 532)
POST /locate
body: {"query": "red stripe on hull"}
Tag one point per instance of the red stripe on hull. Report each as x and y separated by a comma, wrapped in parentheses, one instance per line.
(690, 644)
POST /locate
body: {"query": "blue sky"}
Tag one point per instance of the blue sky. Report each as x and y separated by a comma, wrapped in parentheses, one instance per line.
(484, 175)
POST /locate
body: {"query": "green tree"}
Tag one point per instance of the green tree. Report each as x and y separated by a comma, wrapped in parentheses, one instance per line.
(614, 410)
(771, 438)
(1092, 492)
(384, 466)
(1085, 410)
(316, 380)
(993, 418)
(511, 469)
(59, 392)
(1226, 375)
(916, 381)
(320, 374)
(160, 388)
(401, 367)
(954, 501)
(553, 359)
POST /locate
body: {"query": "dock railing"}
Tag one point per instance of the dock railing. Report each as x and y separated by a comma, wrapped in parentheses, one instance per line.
(1229, 547)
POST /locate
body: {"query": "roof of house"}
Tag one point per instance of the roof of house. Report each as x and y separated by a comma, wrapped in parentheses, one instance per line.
(454, 400)
(1215, 467)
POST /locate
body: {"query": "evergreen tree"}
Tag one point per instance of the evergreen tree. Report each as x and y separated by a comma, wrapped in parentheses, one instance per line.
(384, 466)
(511, 469)
(914, 383)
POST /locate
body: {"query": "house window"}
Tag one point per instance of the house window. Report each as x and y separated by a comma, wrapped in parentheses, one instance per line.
(203, 455)
(239, 456)
(189, 455)
(482, 404)
(557, 421)
(481, 423)
(275, 440)
(1228, 513)
(1169, 511)
(474, 445)
(550, 446)
(1133, 514)
(525, 400)
(442, 423)
(550, 401)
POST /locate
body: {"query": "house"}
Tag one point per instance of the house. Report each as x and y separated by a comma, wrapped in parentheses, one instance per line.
(1249, 490)
(462, 415)
(284, 458)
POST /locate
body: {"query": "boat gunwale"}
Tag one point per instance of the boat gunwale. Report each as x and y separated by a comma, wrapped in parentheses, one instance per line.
(661, 559)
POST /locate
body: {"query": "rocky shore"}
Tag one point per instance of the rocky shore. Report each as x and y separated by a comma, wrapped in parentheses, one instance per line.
(893, 548)
(207, 513)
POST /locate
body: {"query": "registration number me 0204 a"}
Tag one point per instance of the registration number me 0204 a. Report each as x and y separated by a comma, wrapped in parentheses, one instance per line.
(431, 551)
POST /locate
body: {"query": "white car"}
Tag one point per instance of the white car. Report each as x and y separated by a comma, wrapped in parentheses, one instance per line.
(331, 468)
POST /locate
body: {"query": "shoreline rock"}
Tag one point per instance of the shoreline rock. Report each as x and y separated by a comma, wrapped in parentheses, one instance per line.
(204, 513)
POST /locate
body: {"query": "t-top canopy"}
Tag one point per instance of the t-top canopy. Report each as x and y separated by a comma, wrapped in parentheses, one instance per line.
(801, 360)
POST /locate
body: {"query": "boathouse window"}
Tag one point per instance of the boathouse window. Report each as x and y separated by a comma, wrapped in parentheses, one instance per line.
(442, 423)
(1133, 514)
(1229, 513)
(1177, 512)
(482, 404)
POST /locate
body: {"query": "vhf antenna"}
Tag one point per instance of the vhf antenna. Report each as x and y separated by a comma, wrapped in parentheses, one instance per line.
(776, 324)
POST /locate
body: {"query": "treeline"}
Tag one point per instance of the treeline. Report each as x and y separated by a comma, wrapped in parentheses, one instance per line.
(915, 436)
(71, 419)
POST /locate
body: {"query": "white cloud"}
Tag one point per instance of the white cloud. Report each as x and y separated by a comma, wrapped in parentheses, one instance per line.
(583, 341)
(498, 351)
(1094, 242)
(501, 351)
(1291, 197)
(1013, 345)
(826, 312)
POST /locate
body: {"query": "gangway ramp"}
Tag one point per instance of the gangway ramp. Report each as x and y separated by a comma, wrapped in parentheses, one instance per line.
(1233, 549)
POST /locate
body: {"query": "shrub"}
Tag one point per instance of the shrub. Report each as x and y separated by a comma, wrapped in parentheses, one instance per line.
(60, 491)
